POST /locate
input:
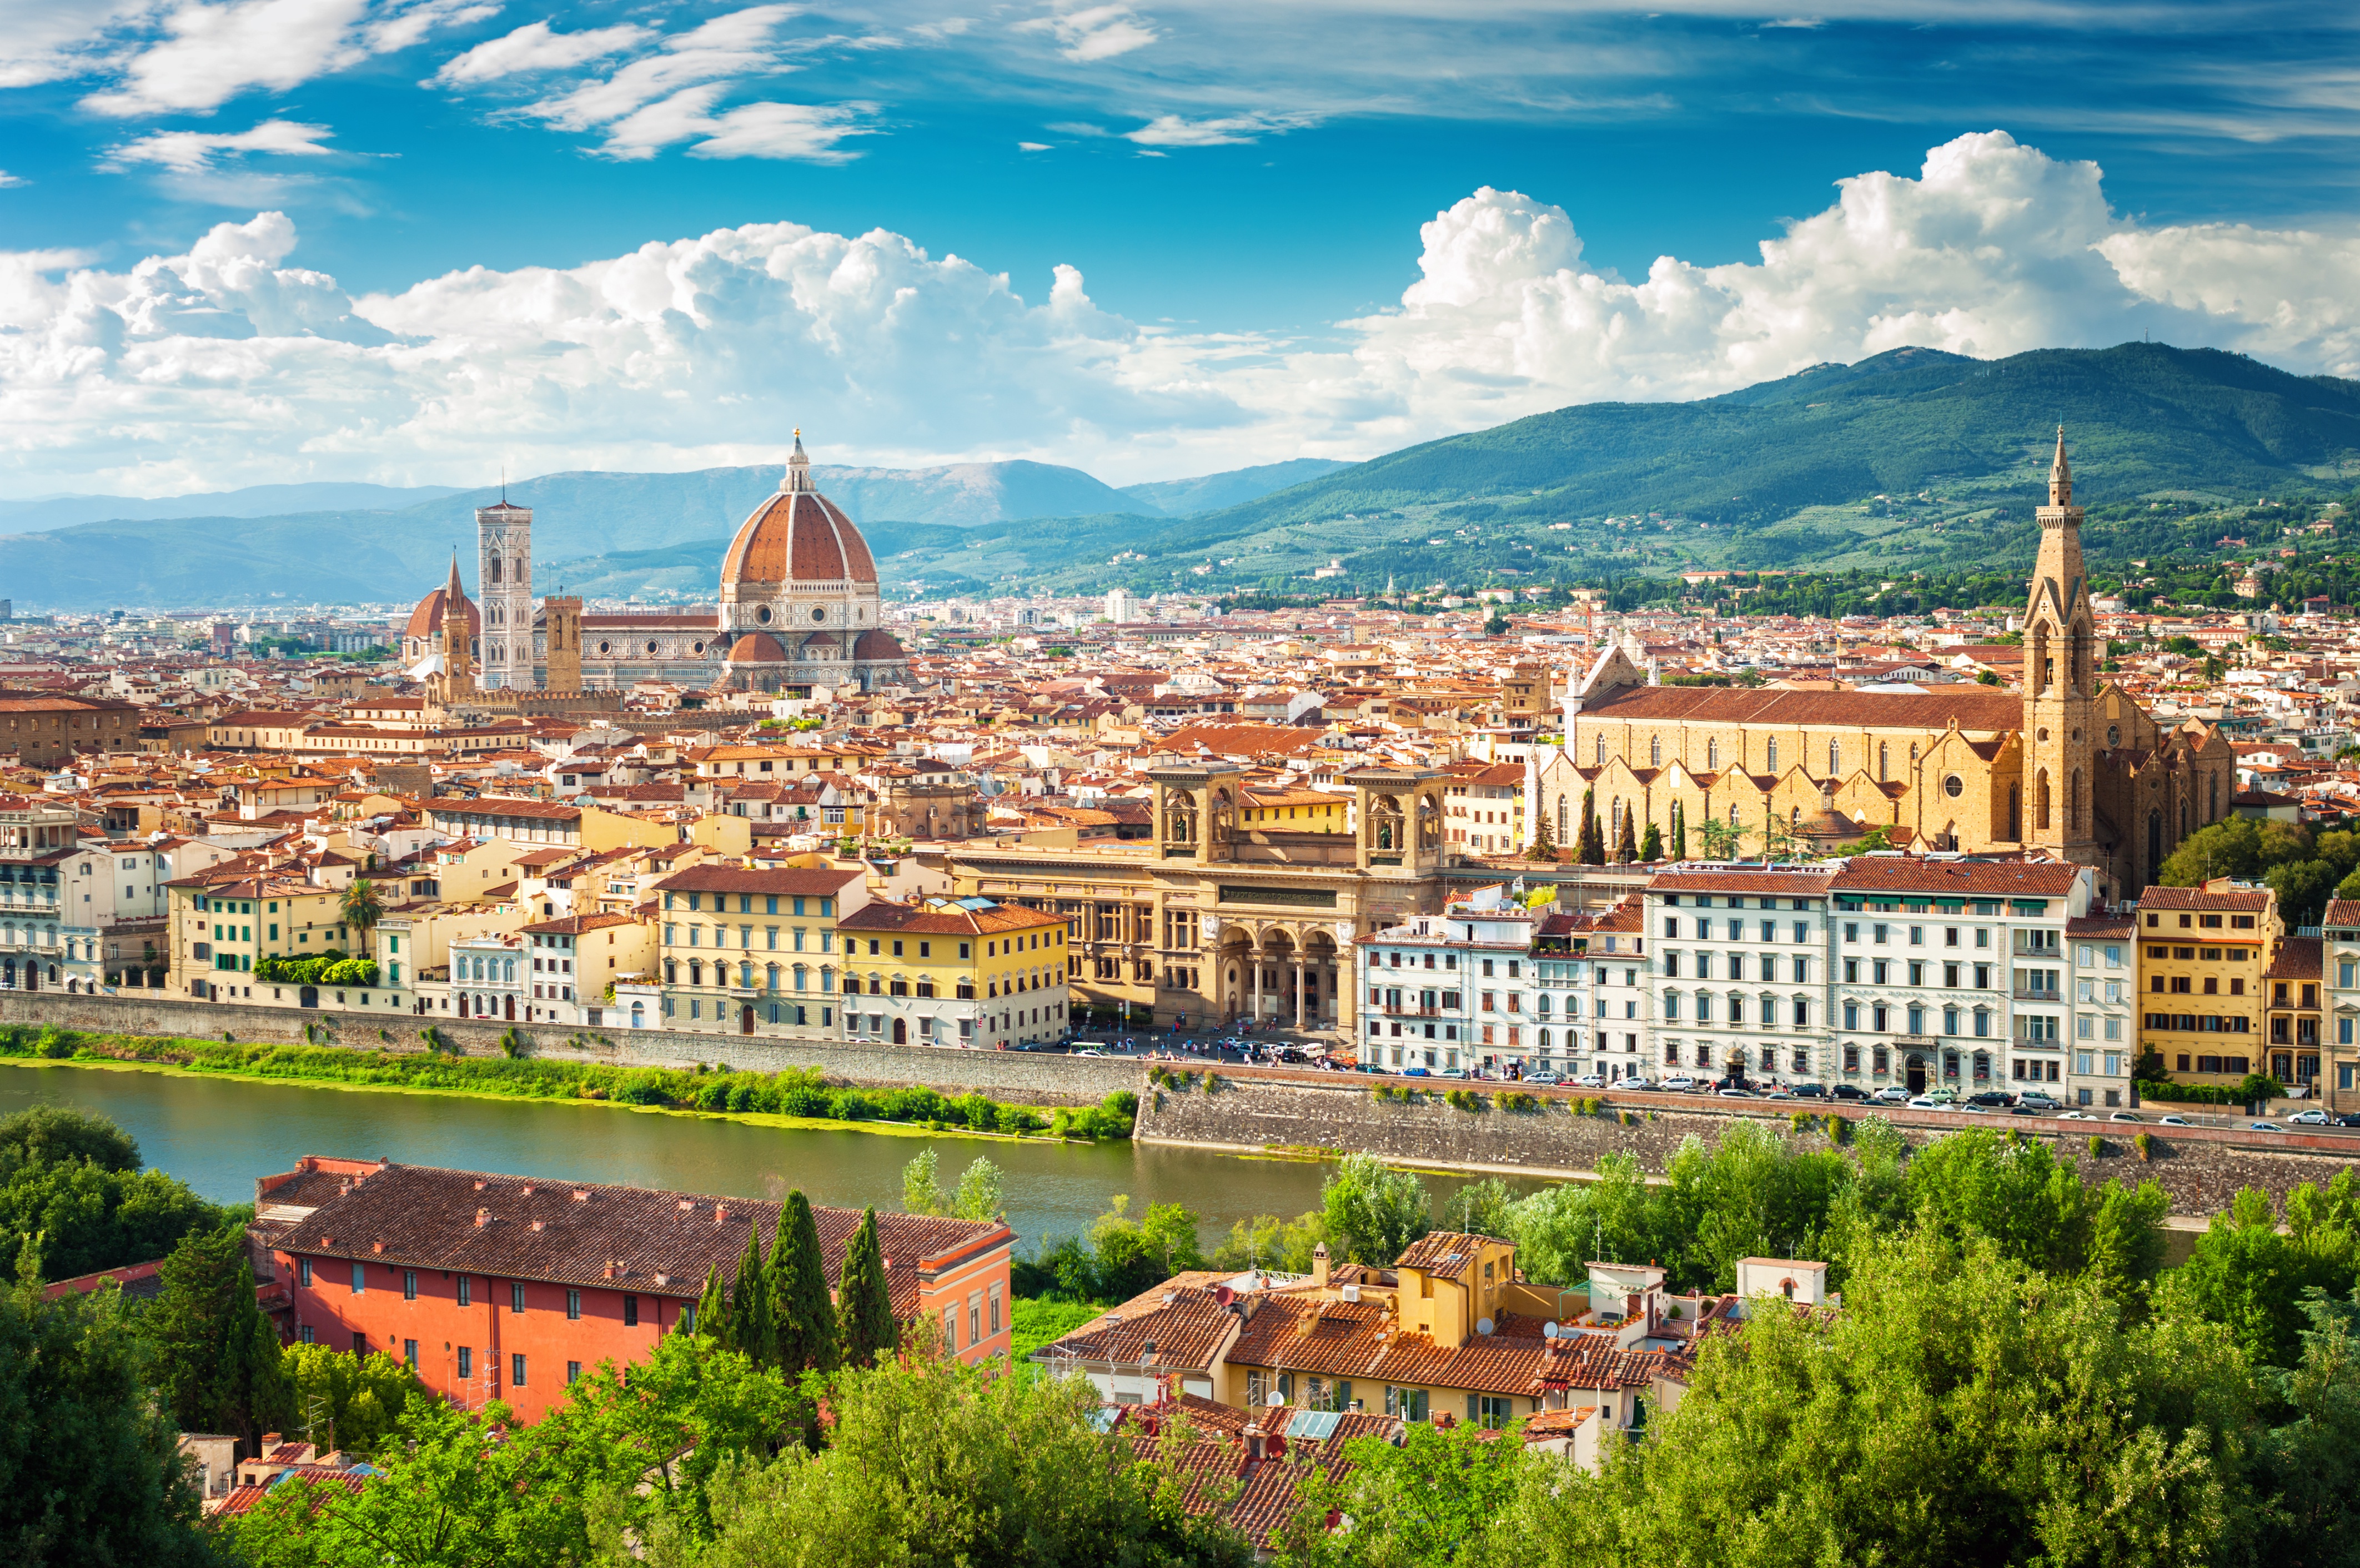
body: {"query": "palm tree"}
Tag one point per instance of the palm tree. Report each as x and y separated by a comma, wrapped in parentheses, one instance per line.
(361, 907)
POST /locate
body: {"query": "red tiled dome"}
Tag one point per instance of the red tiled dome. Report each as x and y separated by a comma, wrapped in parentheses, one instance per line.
(798, 536)
(426, 621)
(757, 647)
(876, 646)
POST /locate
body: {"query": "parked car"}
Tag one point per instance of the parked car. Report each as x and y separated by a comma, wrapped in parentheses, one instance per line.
(2126, 1117)
(1636, 1082)
(2264, 1126)
(2348, 1119)
(1777, 1092)
(1942, 1095)
(1679, 1082)
(1848, 1092)
(1451, 1072)
(2314, 1117)
(1994, 1098)
(1291, 1054)
(1590, 1081)
(1811, 1091)
(2035, 1100)
(2077, 1116)
(1086, 1051)
(1926, 1103)
(1891, 1095)
(1737, 1095)
(1543, 1077)
(1971, 1108)
(1416, 1072)
(2173, 1121)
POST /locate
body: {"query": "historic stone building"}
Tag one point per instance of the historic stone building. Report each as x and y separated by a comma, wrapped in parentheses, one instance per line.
(1214, 919)
(799, 607)
(2070, 764)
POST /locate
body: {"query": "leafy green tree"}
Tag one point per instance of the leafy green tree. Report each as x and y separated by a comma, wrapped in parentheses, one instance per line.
(1717, 838)
(932, 1461)
(1679, 832)
(866, 1328)
(803, 1319)
(1593, 837)
(1753, 1195)
(361, 907)
(1434, 1499)
(920, 1192)
(1132, 1256)
(90, 1472)
(1268, 1242)
(1374, 1212)
(1558, 1231)
(217, 1352)
(1651, 845)
(2308, 1466)
(339, 1399)
(1933, 1422)
(459, 1489)
(2245, 1276)
(2040, 1213)
(1626, 846)
(59, 1135)
(750, 1328)
(712, 1311)
(982, 1191)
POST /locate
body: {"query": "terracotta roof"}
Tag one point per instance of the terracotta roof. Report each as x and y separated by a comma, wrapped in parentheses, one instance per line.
(739, 879)
(797, 535)
(2297, 958)
(1183, 1333)
(1776, 883)
(1974, 707)
(950, 920)
(662, 1242)
(1989, 878)
(1443, 1253)
(2243, 900)
(426, 620)
(2342, 912)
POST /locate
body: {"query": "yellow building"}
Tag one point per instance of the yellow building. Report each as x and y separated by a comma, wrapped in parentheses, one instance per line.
(1297, 811)
(956, 971)
(754, 952)
(225, 920)
(2203, 953)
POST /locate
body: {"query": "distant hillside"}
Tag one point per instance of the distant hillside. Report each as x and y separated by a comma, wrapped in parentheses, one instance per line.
(1185, 498)
(2140, 418)
(255, 501)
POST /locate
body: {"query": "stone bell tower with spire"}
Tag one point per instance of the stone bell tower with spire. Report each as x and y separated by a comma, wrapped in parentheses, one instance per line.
(504, 579)
(2059, 682)
(456, 680)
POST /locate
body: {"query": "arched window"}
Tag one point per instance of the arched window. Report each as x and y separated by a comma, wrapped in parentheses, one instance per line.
(1913, 754)
(1712, 754)
(1564, 819)
(1883, 753)
(1770, 755)
(2212, 805)
(1835, 760)
(1655, 751)
(2041, 801)
(2074, 809)
(770, 978)
(1598, 752)
(493, 565)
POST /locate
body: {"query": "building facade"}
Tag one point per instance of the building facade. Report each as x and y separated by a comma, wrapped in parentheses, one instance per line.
(2203, 953)
(965, 972)
(755, 951)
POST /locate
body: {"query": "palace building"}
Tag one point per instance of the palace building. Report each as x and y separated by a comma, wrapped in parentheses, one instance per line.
(2069, 766)
(798, 606)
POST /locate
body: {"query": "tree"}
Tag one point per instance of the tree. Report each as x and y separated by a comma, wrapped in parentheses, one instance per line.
(802, 1320)
(218, 1355)
(1558, 1231)
(1679, 831)
(1132, 1256)
(1929, 1424)
(930, 1459)
(1651, 845)
(713, 1310)
(1433, 1499)
(360, 907)
(1626, 845)
(1716, 839)
(865, 1325)
(1592, 849)
(74, 1182)
(982, 1192)
(91, 1468)
(920, 1192)
(2246, 1276)
(1374, 1212)
(750, 1329)
(1268, 1242)
(2309, 1468)
(59, 1135)
(339, 1399)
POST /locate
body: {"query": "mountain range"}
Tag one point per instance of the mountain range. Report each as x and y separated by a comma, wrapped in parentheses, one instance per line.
(1913, 456)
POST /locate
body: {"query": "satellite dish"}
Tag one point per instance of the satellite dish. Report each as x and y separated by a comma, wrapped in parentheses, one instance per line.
(1224, 1295)
(1276, 1399)
(1482, 1325)
(1548, 1330)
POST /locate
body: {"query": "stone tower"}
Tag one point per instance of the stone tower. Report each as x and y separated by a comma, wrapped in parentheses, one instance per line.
(457, 679)
(562, 626)
(504, 583)
(2059, 681)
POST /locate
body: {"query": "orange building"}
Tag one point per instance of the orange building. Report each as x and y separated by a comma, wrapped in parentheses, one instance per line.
(511, 1288)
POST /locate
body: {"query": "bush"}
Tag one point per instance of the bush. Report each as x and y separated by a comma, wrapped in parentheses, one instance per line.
(1515, 1100)
(2145, 1144)
(2097, 1145)
(1464, 1100)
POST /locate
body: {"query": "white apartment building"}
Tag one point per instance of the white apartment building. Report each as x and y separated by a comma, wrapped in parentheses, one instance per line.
(77, 913)
(2105, 993)
(1741, 971)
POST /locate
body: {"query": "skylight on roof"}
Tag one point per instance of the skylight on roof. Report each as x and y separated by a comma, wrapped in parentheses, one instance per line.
(1316, 1425)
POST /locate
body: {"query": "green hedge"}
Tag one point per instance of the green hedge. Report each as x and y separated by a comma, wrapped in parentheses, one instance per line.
(795, 1091)
(2252, 1087)
(330, 968)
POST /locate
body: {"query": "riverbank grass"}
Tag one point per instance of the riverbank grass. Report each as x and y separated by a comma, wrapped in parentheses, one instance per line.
(794, 1098)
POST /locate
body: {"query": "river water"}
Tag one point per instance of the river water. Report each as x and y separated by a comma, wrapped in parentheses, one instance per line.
(219, 1134)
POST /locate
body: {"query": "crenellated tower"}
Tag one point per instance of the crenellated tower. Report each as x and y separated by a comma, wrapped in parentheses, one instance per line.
(504, 583)
(2061, 671)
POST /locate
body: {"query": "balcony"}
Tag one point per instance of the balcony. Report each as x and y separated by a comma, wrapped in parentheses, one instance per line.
(1405, 1011)
(2027, 994)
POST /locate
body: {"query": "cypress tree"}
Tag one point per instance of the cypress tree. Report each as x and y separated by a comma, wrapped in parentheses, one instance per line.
(1651, 845)
(1626, 848)
(713, 1310)
(219, 1356)
(1679, 832)
(864, 1304)
(749, 1306)
(1593, 836)
(802, 1317)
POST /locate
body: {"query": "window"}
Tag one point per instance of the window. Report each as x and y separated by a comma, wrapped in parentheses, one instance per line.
(573, 1373)
(304, 1272)
(574, 1305)
(515, 1370)
(516, 1295)
(466, 1361)
(409, 1284)
(1494, 1411)
(359, 1284)
(631, 1312)
(467, 1291)
(410, 1352)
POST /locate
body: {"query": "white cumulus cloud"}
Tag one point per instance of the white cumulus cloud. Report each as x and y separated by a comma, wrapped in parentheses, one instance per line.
(190, 152)
(232, 364)
(1096, 32)
(1173, 130)
(537, 45)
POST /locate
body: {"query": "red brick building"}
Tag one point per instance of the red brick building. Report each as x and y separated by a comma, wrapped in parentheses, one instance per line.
(509, 1287)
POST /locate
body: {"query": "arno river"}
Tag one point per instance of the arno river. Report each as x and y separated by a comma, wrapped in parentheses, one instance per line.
(218, 1135)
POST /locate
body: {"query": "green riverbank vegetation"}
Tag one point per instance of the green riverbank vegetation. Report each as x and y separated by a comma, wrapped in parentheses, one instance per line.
(801, 1092)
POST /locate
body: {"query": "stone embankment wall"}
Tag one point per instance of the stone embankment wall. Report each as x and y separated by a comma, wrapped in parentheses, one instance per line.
(2201, 1169)
(1015, 1077)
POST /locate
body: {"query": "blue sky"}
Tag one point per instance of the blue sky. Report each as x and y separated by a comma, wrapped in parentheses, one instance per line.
(1240, 188)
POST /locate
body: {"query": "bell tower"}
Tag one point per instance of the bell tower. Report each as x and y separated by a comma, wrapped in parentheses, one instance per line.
(504, 582)
(2059, 682)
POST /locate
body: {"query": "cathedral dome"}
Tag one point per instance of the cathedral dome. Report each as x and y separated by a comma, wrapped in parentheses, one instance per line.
(757, 647)
(876, 646)
(426, 621)
(797, 537)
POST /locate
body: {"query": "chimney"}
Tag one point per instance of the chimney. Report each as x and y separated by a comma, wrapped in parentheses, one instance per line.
(580, 1196)
(536, 1225)
(1319, 1265)
(720, 1212)
(483, 1218)
(1254, 1436)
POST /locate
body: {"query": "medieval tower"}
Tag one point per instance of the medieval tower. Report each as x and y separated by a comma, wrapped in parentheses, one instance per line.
(2059, 681)
(504, 583)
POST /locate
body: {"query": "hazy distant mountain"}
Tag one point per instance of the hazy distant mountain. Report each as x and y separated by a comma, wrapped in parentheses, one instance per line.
(254, 501)
(1185, 498)
(967, 492)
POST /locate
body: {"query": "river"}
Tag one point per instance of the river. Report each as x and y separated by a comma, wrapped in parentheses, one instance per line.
(219, 1134)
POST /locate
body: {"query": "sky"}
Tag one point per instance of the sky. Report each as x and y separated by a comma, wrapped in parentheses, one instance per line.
(422, 241)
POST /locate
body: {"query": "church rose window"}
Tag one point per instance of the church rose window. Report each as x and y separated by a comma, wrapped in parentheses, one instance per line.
(652, 648)
(1953, 786)
(605, 647)
(819, 615)
(764, 615)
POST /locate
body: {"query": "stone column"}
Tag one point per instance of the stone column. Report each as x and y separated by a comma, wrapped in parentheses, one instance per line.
(1299, 967)
(1253, 974)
